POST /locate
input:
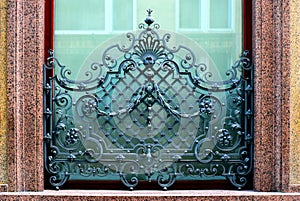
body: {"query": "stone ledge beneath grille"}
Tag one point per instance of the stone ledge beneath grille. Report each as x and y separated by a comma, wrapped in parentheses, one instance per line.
(149, 195)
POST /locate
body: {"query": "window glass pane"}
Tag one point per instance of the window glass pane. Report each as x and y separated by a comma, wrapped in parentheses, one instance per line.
(73, 49)
(74, 46)
(219, 13)
(122, 8)
(163, 12)
(79, 15)
(189, 14)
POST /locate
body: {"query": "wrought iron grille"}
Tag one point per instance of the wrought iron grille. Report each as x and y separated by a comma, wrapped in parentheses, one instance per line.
(149, 110)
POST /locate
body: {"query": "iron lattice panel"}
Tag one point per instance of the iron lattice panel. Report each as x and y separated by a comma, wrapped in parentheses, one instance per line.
(150, 110)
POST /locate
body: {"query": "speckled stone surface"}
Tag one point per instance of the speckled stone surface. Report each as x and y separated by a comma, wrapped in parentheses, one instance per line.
(25, 40)
(148, 195)
(3, 97)
(295, 93)
(272, 71)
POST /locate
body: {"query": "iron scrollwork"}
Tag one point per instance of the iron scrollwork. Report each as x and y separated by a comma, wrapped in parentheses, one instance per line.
(148, 110)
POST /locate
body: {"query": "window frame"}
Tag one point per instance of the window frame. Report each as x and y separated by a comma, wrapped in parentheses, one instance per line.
(180, 185)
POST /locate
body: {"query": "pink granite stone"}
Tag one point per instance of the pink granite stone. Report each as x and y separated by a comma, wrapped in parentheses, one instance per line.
(271, 47)
(25, 137)
(24, 66)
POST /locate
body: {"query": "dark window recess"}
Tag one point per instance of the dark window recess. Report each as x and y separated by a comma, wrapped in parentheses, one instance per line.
(148, 110)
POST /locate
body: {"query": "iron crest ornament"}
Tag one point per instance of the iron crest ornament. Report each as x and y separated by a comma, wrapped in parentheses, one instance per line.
(148, 108)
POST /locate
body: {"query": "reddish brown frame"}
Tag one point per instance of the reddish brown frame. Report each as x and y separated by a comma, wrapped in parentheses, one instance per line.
(247, 45)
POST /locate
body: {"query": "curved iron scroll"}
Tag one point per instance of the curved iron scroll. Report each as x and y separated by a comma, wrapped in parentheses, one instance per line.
(149, 110)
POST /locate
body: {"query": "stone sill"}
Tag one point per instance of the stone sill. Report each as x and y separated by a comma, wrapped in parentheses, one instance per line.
(148, 195)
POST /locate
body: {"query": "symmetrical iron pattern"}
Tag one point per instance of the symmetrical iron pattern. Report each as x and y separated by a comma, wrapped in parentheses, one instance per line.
(154, 112)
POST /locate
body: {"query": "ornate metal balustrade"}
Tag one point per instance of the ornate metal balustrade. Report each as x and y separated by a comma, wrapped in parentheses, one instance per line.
(149, 109)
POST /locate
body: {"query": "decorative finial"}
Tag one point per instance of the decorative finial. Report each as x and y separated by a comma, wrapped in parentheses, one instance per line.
(149, 11)
(149, 19)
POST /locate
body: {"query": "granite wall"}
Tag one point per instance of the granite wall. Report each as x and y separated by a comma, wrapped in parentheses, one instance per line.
(295, 93)
(3, 97)
(25, 58)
